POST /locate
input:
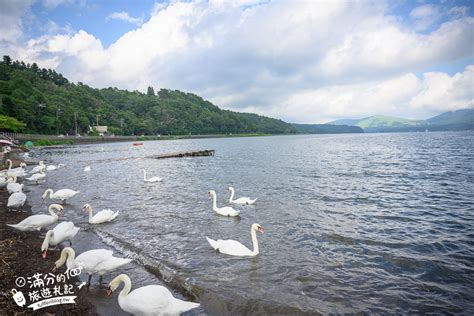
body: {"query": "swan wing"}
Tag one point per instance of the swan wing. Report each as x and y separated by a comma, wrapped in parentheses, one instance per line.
(64, 194)
(111, 264)
(233, 248)
(16, 199)
(227, 211)
(147, 300)
(104, 216)
(64, 231)
(244, 201)
(35, 222)
(91, 260)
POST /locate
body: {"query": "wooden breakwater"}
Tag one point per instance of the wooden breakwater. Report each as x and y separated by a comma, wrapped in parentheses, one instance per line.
(181, 154)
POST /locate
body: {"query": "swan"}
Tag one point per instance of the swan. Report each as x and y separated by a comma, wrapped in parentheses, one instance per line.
(148, 300)
(98, 261)
(242, 200)
(13, 186)
(19, 172)
(41, 166)
(3, 180)
(36, 222)
(235, 248)
(87, 168)
(61, 232)
(37, 176)
(152, 179)
(63, 194)
(16, 200)
(53, 167)
(225, 211)
(101, 217)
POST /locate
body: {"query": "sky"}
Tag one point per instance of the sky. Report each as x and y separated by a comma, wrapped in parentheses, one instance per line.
(300, 61)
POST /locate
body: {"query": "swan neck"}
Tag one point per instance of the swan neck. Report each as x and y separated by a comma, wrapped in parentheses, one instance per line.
(46, 240)
(144, 175)
(9, 164)
(254, 241)
(68, 254)
(232, 192)
(127, 285)
(214, 202)
(89, 209)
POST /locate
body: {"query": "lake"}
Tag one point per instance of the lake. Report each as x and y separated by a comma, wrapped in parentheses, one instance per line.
(373, 223)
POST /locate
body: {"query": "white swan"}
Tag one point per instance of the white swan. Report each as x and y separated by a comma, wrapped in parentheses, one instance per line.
(87, 168)
(36, 222)
(225, 211)
(101, 217)
(152, 179)
(41, 166)
(242, 200)
(16, 200)
(60, 195)
(13, 186)
(148, 300)
(61, 232)
(19, 172)
(3, 180)
(97, 261)
(53, 167)
(37, 176)
(235, 248)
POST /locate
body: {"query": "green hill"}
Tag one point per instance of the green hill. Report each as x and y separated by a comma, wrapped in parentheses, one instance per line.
(48, 104)
(326, 129)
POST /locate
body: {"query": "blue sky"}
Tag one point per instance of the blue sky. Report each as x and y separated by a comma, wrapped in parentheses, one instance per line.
(307, 62)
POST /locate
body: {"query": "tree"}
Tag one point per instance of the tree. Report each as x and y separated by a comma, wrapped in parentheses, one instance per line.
(10, 124)
(7, 60)
(150, 91)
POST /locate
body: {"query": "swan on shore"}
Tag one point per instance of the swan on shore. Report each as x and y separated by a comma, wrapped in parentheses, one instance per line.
(64, 231)
(60, 195)
(13, 186)
(152, 179)
(16, 200)
(148, 300)
(36, 222)
(97, 261)
(225, 211)
(242, 200)
(101, 217)
(19, 172)
(37, 176)
(40, 167)
(235, 248)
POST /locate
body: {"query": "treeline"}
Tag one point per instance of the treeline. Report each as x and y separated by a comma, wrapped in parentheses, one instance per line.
(47, 103)
(326, 129)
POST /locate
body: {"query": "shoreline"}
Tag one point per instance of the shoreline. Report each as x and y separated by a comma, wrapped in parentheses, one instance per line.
(20, 257)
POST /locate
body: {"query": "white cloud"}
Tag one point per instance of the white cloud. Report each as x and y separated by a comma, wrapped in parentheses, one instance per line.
(425, 16)
(11, 14)
(299, 61)
(124, 16)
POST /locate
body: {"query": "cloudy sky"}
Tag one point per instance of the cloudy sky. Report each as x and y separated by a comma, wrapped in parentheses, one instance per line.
(301, 61)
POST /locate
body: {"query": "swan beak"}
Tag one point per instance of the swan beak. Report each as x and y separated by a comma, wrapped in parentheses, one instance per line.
(54, 268)
(261, 230)
(45, 254)
(109, 292)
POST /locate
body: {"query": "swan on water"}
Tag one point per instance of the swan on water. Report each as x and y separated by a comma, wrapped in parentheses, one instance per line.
(242, 200)
(87, 168)
(235, 248)
(148, 300)
(97, 261)
(64, 231)
(40, 167)
(225, 211)
(37, 176)
(60, 195)
(101, 217)
(16, 200)
(152, 179)
(53, 167)
(36, 222)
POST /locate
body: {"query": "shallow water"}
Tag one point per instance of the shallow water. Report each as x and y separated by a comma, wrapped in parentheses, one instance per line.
(378, 223)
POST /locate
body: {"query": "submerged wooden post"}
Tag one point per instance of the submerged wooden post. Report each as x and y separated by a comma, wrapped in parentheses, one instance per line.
(192, 153)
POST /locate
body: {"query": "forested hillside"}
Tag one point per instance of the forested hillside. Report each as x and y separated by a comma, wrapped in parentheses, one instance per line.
(48, 103)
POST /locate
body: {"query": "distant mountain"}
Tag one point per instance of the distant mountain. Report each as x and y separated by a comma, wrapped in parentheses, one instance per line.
(449, 121)
(325, 129)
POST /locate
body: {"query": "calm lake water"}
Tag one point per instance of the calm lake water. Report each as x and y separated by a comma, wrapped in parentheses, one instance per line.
(376, 223)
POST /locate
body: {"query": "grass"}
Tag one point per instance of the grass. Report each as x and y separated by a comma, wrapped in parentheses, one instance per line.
(48, 142)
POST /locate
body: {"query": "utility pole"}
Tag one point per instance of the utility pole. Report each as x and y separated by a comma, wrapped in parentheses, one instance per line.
(97, 120)
(75, 122)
